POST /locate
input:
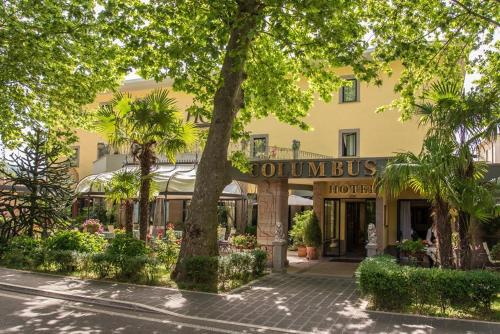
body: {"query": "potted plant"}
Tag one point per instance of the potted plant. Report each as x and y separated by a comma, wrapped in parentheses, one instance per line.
(244, 241)
(297, 232)
(93, 226)
(312, 237)
(413, 249)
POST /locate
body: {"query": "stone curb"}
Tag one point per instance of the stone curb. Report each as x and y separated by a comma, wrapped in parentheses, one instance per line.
(135, 307)
(222, 294)
(433, 317)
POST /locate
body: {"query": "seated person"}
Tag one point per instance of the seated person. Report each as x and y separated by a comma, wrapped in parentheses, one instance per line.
(430, 241)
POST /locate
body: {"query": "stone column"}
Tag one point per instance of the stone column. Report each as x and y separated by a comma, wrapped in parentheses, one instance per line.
(272, 200)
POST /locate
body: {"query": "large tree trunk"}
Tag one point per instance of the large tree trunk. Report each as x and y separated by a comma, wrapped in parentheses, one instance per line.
(129, 214)
(200, 237)
(145, 161)
(443, 234)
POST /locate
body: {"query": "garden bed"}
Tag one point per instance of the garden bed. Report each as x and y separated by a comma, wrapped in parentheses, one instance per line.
(437, 292)
(126, 259)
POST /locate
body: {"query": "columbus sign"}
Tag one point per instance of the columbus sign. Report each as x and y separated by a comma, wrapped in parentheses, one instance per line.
(350, 168)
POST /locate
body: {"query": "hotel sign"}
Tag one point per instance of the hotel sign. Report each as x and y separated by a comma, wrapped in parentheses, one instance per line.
(351, 168)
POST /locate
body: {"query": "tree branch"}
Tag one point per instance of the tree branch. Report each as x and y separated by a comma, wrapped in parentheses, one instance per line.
(470, 11)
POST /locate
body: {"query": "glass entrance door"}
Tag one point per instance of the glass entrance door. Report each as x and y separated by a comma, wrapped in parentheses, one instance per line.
(331, 235)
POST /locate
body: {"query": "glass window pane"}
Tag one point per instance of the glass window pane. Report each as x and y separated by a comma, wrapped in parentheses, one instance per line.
(259, 147)
(349, 144)
(349, 91)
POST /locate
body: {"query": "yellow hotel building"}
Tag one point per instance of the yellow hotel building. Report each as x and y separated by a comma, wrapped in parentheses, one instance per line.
(334, 165)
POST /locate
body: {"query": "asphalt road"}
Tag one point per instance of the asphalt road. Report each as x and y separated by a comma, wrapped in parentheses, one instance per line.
(31, 314)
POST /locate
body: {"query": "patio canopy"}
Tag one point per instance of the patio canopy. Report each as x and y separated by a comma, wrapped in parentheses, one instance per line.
(175, 181)
(299, 201)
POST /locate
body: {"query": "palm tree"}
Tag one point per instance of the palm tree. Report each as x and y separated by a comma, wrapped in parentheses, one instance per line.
(122, 188)
(427, 174)
(145, 128)
(466, 120)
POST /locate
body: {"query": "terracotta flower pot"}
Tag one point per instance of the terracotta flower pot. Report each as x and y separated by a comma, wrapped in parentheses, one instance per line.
(301, 251)
(312, 253)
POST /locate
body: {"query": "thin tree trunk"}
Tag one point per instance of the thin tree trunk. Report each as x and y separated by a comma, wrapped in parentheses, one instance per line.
(464, 253)
(443, 234)
(145, 160)
(200, 237)
(129, 213)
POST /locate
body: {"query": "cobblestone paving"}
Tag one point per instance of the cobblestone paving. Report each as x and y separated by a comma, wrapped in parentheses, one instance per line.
(292, 302)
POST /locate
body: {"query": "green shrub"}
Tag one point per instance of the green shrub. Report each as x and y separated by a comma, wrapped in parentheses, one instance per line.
(76, 241)
(380, 278)
(102, 264)
(244, 241)
(495, 252)
(123, 245)
(166, 251)
(63, 260)
(299, 224)
(128, 255)
(312, 232)
(259, 262)
(412, 247)
(202, 271)
(395, 287)
(132, 267)
(24, 252)
(251, 229)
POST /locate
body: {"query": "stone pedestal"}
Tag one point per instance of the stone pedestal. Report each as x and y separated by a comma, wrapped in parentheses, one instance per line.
(279, 256)
(371, 250)
(272, 199)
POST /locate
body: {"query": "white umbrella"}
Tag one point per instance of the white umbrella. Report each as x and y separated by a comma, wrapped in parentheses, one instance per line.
(299, 201)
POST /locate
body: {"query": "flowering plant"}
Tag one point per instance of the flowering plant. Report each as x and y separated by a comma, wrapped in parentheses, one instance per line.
(93, 226)
(244, 241)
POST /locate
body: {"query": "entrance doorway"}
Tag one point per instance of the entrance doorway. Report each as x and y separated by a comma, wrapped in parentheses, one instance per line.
(346, 226)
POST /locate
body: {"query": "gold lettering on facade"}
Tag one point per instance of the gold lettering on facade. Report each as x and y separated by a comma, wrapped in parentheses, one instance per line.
(350, 189)
(337, 168)
(280, 169)
(295, 171)
(317, 170)
(350, 171)
(268, 169)
(370, 168)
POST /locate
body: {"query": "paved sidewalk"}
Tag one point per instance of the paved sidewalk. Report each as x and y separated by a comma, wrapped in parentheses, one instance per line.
(290, 302)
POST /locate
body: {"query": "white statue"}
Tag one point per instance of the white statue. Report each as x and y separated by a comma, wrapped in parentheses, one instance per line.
(278, 234)
(372, 234)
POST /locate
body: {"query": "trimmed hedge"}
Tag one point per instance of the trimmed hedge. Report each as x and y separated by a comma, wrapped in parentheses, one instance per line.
(394, 287)
(211, 272)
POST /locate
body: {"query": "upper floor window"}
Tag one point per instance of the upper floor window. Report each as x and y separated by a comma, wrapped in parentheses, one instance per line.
(259, 146)
(349, 143)
(349, 92)
(102, 150)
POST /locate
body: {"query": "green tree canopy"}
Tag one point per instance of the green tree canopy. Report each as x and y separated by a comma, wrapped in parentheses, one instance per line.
(54, 58)
(246, 59)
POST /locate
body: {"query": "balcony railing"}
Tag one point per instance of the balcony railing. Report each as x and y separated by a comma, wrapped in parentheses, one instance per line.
(283, 153)
(270, 153)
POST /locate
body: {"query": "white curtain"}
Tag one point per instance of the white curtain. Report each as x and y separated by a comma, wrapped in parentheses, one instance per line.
(405, 219)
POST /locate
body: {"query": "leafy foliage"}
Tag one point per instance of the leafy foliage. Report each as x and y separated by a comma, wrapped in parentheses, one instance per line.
(76, 241)
(144, 128)
(55, 57)
(299, 223)
(37, 193)
(312, 231)
(244, 241)
(395, 287)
